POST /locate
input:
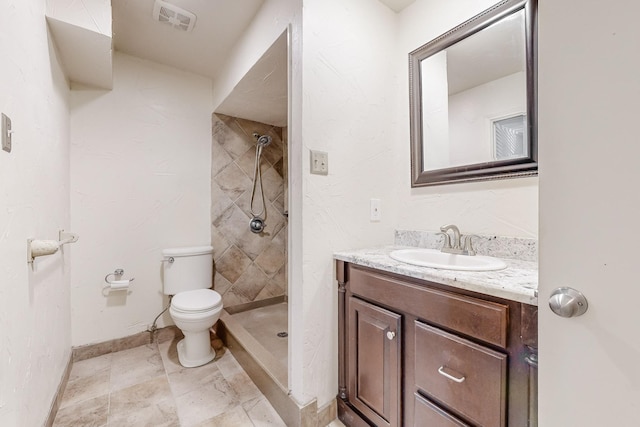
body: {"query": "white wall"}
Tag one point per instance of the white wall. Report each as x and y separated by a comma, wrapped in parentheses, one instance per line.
(348, 111)
(140, 182)
(505, 207)
(93, 15)
(35, 342)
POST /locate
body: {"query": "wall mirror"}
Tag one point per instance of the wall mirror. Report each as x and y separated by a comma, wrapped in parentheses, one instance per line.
(473, 99)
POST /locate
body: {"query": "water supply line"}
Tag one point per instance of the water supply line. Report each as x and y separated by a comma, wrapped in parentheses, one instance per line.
(257, 223)
(154, 326)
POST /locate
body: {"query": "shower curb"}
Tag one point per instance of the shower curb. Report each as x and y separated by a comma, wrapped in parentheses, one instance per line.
(270, 378)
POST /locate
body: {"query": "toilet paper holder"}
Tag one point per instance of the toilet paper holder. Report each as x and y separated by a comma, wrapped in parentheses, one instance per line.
(117, 283)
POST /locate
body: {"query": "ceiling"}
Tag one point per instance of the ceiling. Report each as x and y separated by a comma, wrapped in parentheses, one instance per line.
(219, 24)
(397, 5)
(261, 95)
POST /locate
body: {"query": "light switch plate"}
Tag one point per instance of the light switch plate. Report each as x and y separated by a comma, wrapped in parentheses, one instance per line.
(319, 162)
(6, 133)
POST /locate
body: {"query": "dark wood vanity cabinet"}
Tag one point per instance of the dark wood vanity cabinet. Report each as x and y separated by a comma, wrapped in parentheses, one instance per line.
(416, 353)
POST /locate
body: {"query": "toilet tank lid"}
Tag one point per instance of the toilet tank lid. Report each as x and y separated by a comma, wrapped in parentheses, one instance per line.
(187, 251)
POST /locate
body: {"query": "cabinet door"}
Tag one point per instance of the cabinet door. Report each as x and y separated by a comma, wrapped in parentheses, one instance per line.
(374, 362)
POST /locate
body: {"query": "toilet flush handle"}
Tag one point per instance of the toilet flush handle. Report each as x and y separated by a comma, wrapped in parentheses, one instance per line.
(170, 260)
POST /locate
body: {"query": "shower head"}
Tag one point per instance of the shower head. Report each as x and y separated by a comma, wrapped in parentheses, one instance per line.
(263, 140)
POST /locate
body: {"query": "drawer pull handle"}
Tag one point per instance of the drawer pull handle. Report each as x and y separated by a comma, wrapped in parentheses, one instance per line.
(447, 375)
(391, 335)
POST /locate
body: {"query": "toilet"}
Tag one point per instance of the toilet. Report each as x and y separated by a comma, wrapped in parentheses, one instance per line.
(195, 307)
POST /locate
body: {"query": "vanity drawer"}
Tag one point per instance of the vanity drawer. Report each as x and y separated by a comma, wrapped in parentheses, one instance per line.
(426, 414)
(466, 377)
(484, 320)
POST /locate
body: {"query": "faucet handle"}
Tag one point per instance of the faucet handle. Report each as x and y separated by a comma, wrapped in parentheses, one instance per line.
(447, 241)
(468, 247)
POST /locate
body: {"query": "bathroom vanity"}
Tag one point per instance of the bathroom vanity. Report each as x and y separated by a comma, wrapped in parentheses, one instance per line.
(426, 347)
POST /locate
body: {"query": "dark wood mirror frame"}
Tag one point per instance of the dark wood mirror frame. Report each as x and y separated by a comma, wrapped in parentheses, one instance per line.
(511, 168)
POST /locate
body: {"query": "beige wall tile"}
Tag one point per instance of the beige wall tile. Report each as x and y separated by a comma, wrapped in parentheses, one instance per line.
(220, 159)
(252, 281)
(220, 202)
(271, 259)
(230, 136)
(235, 246)
(233, 181)
(220, 284)
(232, 264)
(219, 242)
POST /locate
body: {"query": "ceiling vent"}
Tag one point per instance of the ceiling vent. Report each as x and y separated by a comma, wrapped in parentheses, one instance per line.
(173, 15)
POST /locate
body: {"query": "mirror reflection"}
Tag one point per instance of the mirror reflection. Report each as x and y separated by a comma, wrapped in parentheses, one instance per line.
(473, 99)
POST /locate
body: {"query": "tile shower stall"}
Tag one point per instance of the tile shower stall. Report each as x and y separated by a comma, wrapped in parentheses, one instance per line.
(249, 267)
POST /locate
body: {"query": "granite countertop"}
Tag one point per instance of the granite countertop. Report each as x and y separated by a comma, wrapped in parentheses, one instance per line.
(518, 282)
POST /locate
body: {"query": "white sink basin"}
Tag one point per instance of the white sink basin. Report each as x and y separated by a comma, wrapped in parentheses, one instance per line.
(435, 259)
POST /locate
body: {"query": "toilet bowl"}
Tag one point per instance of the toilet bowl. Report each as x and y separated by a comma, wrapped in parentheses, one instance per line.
(195, 312)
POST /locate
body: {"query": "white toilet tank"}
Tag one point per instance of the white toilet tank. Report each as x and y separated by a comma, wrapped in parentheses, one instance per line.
(187, 269)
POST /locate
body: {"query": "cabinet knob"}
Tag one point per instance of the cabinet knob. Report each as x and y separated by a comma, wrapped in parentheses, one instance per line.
(567, 302)
(391, 335)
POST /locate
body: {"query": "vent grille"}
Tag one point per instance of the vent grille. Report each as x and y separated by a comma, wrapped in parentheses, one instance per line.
(510, 137)
(178, 18)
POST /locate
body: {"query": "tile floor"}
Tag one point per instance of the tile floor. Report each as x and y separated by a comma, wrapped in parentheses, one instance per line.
(146, 386)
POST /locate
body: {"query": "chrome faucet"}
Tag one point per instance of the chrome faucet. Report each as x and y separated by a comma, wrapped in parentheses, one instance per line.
(461, 245)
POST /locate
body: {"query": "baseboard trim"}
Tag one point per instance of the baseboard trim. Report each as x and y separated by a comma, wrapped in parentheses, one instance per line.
(348, 416)
(239, 308)
(327, 413)
(94, 350)
(55, 404)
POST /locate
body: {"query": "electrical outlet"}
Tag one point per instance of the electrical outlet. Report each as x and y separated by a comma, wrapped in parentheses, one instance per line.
(6, 133)
(375, 214)
(319, 162)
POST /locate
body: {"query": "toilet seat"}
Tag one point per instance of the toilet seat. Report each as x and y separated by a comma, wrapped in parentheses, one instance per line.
(196, 301)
